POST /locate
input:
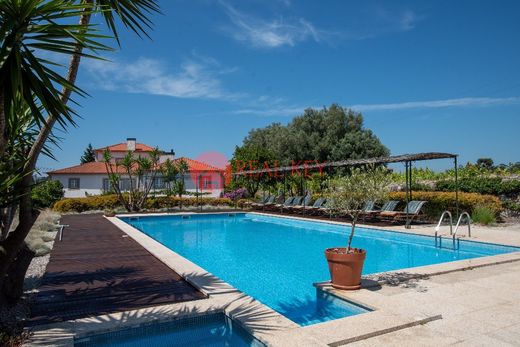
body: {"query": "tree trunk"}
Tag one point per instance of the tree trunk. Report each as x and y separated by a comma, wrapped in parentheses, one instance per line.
(14, 242)
(12, 288)
(354, 221)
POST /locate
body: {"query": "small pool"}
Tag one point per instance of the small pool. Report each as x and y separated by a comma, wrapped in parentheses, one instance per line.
(210, 330)
(277, 260)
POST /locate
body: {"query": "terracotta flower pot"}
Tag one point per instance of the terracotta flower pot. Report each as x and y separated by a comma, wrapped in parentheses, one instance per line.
(345, 268)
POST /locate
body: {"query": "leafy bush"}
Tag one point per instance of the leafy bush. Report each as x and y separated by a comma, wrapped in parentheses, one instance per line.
(437, 202)
(512, 206)
(111, 202)
(483, 215)
(482, 185)
(45, 194)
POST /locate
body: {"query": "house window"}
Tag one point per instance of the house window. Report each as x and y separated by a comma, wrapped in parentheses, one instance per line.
(74, 183)
(206, 182)
(124, 185)
(158, 183)
(106, 185)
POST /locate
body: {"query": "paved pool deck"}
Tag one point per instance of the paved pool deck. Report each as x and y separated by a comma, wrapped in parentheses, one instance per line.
(470, 302)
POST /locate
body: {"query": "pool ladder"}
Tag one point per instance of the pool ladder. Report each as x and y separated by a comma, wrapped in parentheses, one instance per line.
(453, 234)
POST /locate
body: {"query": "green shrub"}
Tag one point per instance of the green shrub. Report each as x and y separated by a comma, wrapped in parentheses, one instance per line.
(483, 215)
(512, 206)
(111, 202)
(45, 194)
(437, 202)
(482, 185)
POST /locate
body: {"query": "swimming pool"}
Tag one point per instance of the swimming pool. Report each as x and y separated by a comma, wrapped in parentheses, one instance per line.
(277, 260)
(209, 330)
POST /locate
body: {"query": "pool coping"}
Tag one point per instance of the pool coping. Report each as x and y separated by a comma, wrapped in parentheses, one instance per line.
(265, 324)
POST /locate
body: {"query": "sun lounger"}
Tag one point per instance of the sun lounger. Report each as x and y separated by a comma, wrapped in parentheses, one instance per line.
(296, 201)
(325, 208)
(314, 209)
(261, 202)
(388, 206)
(269, 202)
(300, 206)
(410, 212)
(287, 202)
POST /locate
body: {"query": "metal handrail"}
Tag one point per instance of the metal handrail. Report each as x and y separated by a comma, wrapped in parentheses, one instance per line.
(60, 233)
(468, 219)
(437, 228)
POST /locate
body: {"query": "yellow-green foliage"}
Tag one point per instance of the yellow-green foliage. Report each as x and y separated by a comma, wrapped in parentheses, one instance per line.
(175, 201)
(100, 202)
(440, 201)
(110, 202)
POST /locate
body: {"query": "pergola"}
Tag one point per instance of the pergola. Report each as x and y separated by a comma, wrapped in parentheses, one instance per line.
(407, 159)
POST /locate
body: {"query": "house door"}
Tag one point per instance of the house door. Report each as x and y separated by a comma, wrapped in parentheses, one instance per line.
(205, 183)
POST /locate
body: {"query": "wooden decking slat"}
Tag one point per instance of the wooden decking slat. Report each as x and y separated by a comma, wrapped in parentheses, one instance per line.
(95, 270)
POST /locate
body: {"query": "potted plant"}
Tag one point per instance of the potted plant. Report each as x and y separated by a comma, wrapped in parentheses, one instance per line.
(348, 194)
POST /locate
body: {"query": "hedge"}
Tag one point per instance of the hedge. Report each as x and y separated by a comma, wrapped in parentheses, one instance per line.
(437, 202)
(482, 185)
(110, 202)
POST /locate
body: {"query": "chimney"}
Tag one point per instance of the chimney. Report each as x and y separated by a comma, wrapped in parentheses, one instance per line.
(166, 155)
(130, 143)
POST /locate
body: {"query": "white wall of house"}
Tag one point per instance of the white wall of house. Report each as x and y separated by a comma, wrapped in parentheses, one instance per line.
(92, 184)
(209, 182)
(89, 184)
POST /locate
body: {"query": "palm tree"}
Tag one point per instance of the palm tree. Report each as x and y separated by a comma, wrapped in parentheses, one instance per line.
(170, 173)
(29, 28)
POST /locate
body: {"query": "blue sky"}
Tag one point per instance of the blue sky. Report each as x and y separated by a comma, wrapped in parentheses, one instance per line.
(427, 76)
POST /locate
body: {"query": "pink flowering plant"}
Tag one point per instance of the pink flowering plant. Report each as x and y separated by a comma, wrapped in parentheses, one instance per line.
(236, 194)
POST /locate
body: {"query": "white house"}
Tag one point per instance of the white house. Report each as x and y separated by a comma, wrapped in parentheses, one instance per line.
(92, 178)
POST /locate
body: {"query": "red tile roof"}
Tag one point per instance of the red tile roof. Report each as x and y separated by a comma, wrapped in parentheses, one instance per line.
(196, 165)
(95, 167)
(122, 147)
(98, 167)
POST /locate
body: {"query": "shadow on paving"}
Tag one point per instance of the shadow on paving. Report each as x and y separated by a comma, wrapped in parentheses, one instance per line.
(96, 269)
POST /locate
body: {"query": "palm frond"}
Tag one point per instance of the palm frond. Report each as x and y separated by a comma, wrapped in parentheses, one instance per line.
(134, 14)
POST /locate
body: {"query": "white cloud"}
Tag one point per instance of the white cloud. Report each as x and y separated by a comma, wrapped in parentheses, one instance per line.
(195, 78)
(289, 111)
(460, 102)
(407, 20)
(270, 33)
(364, 24)
(278, 108)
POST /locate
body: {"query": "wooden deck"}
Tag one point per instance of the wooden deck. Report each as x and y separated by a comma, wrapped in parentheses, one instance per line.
(97, 269)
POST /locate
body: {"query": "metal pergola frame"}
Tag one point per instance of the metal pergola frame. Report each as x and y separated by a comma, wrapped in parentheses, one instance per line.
(407, 159)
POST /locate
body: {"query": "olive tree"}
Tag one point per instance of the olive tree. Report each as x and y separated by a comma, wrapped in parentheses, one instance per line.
(349, 193)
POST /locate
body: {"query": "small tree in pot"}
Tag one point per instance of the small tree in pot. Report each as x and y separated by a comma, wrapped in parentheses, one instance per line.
(348, 194)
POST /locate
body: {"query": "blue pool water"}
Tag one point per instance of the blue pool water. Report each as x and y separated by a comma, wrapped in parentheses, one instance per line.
(277, 260)
(211, 330)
